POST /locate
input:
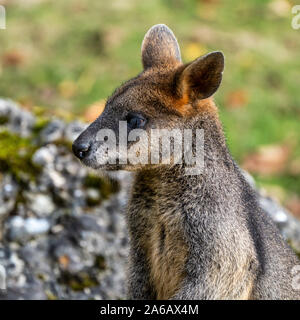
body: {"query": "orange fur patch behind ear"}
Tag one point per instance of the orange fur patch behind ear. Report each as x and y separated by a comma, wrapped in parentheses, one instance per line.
(183, 106)
(186, 109)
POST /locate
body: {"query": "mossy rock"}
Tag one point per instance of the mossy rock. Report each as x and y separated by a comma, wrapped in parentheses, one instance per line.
(79, 281)
(100, 263)
(4, 120)
(40, 124)
(50, 295)
(105, 185)
(15, 155)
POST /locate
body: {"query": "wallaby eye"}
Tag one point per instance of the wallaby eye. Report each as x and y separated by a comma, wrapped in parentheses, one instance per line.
(135, 121)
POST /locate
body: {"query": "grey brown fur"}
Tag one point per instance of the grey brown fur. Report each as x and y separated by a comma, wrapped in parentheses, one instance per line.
(192, 237)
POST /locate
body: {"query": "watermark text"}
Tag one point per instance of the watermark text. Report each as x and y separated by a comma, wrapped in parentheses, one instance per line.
(296, 18)
(2, 17)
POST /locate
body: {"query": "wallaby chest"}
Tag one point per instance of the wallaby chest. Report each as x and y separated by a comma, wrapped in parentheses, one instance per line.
(159, 223)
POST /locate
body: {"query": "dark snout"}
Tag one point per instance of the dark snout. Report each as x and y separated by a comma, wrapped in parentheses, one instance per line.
(83, 144)
(81, 149)
(86, 145)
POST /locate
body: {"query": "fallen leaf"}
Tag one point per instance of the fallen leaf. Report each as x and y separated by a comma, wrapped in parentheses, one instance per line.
(237, 99)
(270, 159)
(94, 111)
(13, 58)
(64, 261)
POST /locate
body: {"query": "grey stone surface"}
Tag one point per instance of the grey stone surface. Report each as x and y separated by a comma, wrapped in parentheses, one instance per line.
(15, 119)
(8, 195)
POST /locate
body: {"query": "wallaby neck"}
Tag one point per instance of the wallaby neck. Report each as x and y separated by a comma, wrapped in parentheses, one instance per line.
(218, 163)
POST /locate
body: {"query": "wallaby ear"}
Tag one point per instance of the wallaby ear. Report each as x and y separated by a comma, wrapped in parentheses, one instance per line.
(160, 48)
(201, 78)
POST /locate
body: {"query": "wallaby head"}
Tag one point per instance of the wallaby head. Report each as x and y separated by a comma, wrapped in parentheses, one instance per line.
(167, 94)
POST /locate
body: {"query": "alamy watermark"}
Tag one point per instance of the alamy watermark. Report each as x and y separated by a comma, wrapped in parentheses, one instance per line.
(296, 18)
(2, 278)
(157, 146)
(2, 17)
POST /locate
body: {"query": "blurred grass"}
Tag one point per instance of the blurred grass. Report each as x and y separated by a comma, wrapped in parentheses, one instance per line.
(66, 55)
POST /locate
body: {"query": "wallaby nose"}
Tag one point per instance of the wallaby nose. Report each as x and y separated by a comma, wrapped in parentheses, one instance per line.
(81, 150)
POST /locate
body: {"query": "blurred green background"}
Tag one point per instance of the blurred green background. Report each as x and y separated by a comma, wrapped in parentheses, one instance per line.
(64, 58)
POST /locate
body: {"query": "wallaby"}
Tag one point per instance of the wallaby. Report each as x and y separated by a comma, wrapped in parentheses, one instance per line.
(191, 236)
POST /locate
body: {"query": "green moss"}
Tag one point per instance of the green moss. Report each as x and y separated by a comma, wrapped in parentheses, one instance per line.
(100, 262)
(106, 186)
(3, 120)
(65, 143)
(50, 295)
(79, 281)
(16, 154)
(39, 111)
(40, 124)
